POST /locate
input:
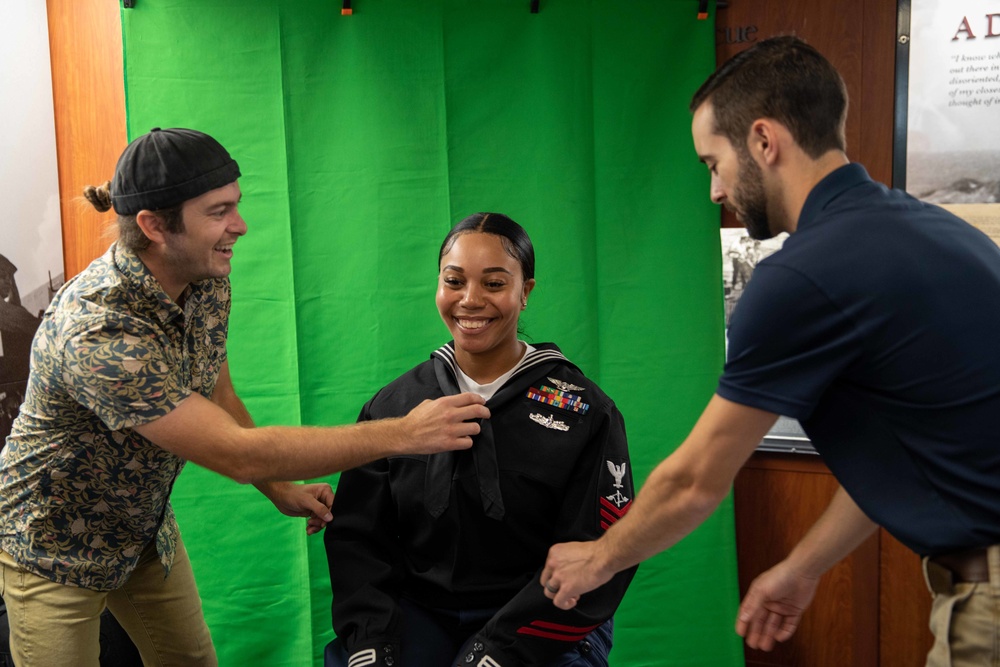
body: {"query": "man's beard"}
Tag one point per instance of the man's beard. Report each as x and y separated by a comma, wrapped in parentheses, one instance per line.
(751, 199)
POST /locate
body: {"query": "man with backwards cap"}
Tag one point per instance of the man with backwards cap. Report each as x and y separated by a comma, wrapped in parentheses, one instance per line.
(129, 380)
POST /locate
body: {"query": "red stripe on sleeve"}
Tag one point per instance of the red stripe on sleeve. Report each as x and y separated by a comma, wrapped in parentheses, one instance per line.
(565, 628)
(551, 635)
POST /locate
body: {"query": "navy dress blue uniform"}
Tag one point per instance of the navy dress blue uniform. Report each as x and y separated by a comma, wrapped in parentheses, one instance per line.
(435, 560)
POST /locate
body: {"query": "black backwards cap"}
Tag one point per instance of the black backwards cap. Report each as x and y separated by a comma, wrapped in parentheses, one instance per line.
(168, 167)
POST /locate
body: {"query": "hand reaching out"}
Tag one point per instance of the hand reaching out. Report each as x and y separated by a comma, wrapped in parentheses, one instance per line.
(773, 606)
(309, 500)
(572, 570)
(444, 424)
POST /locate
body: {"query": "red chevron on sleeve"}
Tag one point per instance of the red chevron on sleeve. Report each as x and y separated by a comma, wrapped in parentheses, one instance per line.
(563, 633)
(611, 513)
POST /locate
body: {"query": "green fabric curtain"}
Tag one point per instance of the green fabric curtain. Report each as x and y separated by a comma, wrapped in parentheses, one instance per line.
(362, 139)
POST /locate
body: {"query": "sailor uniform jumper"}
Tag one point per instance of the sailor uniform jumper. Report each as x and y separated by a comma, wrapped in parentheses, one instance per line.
(470, 530)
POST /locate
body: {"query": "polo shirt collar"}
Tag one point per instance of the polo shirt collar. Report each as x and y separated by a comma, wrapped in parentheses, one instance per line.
(829, 188)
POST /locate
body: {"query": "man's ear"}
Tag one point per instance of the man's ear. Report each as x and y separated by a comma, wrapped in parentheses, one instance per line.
(763, 141)
(151, 225)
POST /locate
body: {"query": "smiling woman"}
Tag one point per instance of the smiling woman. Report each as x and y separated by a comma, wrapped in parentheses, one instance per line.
(487, 272)
(436, 559)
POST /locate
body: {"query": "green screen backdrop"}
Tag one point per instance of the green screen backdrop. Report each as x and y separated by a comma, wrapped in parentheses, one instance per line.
(362, 139)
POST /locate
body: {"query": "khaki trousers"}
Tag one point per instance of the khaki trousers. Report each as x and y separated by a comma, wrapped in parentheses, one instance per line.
(965, 617)
(54, 624)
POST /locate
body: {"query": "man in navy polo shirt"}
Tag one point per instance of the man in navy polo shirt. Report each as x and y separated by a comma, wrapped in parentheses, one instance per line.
(874, 326)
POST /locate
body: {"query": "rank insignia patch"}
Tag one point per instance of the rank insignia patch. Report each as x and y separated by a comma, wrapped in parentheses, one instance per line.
(615, 505)
(558, 398)
(611, 512)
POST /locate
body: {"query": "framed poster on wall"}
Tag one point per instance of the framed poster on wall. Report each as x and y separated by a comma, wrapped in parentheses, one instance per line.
(946, 147)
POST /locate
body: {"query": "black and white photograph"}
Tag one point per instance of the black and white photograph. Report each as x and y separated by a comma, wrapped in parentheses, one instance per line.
(31, 253)
(740, 256)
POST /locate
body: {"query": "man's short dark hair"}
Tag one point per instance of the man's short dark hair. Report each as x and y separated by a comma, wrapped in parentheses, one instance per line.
(784, 79)
(133, 238)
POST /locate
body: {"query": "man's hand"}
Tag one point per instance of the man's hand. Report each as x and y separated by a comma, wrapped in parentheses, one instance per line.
(443, 424)
(773, 606)
(310, 500)
(572, 569)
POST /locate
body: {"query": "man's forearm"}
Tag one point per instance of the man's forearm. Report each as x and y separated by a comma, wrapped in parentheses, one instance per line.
(840, 530)
(217, 436)
(205, 433)
(685, 488)
(665, 510)
(275, 453)
(681, 492)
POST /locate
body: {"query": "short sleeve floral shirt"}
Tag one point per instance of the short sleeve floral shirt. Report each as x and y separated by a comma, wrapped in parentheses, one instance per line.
(81, 493)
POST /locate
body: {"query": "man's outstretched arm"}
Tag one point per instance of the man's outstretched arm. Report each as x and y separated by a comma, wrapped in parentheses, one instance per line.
(201, 431)
(680, 493)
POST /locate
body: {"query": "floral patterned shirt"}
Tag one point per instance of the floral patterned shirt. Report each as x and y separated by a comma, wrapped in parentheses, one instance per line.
(82, 493)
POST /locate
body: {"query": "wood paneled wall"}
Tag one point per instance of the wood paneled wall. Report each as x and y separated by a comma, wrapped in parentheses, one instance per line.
(778, 497)
(85, 41)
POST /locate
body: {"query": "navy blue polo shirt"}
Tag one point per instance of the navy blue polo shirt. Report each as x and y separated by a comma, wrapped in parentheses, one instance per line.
(877, 326)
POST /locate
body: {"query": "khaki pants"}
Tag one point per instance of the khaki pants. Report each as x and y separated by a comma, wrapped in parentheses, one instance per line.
(965, 617)
(54, 624)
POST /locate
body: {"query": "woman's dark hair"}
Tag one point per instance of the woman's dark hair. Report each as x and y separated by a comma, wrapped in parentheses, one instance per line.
(781, 78)
(513, 237)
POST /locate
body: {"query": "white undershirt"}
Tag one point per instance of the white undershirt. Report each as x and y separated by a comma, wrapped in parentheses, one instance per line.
(465, 383)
